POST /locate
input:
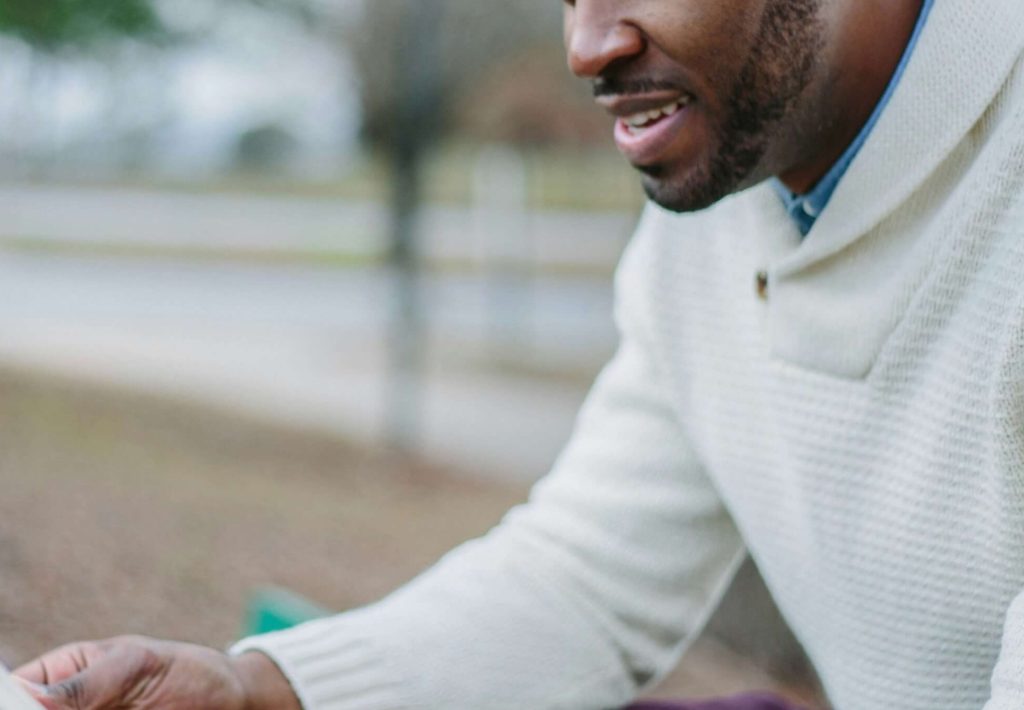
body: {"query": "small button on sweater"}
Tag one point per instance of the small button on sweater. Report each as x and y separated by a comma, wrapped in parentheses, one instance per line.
(859, 431)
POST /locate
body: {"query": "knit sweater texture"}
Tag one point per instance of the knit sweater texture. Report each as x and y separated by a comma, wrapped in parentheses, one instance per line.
(859, 432)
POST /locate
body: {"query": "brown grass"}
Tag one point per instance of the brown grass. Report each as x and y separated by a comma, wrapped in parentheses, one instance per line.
(120, 513)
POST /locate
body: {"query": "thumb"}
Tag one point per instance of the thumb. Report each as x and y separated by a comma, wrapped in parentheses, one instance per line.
(75, 693)
(100, 686)
(20, 691)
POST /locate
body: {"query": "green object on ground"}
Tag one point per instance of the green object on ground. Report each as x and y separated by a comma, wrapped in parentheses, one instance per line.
(275, 609)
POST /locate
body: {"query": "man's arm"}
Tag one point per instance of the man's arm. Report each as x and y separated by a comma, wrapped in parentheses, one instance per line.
(264, 686)
(137, 672)
(576, 600)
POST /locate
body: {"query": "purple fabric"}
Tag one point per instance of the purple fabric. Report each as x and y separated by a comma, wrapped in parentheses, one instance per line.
(757, 701)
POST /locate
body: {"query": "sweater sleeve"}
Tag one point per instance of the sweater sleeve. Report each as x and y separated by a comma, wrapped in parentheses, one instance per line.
(580, 597)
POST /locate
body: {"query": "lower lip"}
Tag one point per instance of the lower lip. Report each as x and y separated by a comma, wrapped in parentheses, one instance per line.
(647, 146)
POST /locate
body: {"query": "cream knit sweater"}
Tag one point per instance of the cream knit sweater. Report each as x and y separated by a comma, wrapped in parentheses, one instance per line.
(859, 432)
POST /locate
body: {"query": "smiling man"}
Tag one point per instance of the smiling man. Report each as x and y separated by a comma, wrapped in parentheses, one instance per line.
(702, 97)
(821, 366)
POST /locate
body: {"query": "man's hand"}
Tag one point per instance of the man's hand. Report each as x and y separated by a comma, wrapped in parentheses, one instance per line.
(139, 673)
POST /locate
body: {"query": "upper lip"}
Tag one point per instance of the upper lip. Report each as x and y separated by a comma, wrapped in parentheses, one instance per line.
(625, 105)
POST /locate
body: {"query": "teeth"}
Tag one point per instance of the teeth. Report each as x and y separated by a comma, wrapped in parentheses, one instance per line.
(638, 120)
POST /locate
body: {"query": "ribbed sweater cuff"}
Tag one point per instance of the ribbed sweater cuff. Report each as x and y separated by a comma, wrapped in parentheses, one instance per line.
(332, 664)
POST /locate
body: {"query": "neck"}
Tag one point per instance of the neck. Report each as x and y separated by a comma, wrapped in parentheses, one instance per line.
(870, 39)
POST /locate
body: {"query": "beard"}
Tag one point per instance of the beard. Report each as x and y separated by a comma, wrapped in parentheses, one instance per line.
(767, 89)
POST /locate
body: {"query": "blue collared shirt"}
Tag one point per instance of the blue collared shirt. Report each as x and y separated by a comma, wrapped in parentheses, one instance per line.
(804, 209)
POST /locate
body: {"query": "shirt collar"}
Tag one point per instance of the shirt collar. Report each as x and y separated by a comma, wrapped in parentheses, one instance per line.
(804, 209)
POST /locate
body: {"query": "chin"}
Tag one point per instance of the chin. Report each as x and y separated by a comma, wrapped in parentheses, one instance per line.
(682, 195)
(701, 186)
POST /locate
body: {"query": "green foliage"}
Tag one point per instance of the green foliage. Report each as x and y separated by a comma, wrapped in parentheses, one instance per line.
(52, 25)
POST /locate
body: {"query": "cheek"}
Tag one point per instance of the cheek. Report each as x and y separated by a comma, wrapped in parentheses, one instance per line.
(712, 39)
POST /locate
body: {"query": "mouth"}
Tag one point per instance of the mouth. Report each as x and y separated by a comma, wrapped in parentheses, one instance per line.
(648, 125)
(641, 121)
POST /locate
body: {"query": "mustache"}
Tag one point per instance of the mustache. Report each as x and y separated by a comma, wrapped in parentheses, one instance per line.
(615, 86)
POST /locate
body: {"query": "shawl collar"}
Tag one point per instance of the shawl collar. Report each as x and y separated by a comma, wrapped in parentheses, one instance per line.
(964, 57)
(838, 295)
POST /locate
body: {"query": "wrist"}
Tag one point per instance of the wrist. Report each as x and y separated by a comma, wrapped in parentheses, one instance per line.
(264, 685)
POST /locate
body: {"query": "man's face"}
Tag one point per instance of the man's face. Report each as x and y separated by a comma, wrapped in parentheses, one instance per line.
(705, 91)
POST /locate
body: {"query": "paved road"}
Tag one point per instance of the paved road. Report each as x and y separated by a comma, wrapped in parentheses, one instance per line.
(226, 222)
(306, 345)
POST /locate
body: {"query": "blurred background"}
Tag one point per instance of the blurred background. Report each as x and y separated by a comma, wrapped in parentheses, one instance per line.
(296, 293)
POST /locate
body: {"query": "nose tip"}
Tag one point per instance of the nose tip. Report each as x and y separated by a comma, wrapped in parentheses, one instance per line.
(592, 50)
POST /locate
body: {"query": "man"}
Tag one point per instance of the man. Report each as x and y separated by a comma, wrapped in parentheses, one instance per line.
(822, 366)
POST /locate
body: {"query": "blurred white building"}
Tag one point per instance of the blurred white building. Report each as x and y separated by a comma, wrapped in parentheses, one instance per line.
(253, 89)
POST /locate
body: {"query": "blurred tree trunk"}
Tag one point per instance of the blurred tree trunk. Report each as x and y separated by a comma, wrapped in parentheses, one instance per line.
(469, 40)
(416, 123)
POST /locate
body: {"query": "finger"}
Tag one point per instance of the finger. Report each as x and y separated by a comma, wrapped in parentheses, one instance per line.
(109, 680)
(30, 687)
(39, 693)
(32, 672)
(60, 664)
(92, 689)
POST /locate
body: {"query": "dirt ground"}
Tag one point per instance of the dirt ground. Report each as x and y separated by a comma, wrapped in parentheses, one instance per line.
(124, 513)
